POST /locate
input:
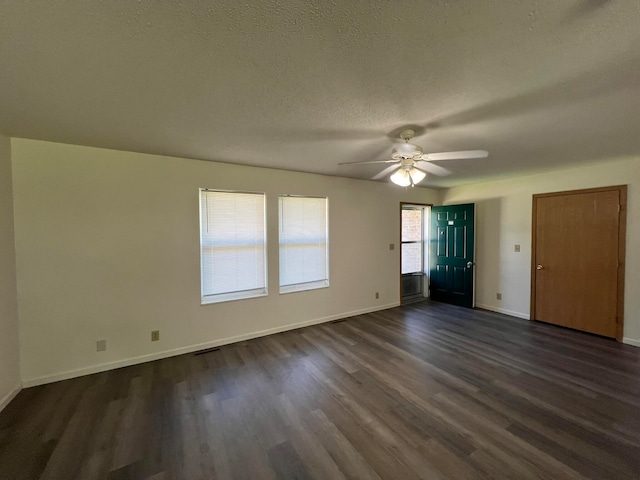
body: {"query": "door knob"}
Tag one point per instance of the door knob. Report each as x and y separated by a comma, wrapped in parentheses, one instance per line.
(469, 264)
(539, 267)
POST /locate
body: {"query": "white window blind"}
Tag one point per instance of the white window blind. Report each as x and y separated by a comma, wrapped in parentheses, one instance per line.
(232, 245)
(304, 242)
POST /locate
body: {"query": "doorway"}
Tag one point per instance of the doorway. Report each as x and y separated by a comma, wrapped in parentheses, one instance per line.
(577, 269)
(414, 253)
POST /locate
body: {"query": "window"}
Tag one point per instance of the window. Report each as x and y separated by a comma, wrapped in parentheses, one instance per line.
(232, 245)
(304, 246)
(412, 244)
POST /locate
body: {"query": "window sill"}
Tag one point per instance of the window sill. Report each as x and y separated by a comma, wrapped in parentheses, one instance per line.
(230, 297)
(302, 287)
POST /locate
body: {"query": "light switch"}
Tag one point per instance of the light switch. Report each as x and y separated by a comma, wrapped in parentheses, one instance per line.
(392, 246)
(517, 249)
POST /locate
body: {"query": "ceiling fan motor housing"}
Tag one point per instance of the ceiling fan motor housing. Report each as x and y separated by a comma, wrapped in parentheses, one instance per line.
(406, 150)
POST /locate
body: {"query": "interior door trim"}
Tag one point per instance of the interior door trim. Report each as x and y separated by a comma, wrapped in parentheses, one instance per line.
(622, 235)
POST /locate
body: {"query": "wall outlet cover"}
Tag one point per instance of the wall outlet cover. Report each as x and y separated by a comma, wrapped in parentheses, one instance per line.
(101, 345)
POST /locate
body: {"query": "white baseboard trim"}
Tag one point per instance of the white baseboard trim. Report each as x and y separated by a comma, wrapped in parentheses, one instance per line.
(511, 313)
(631, 341)
(10, 396)
(103, 367)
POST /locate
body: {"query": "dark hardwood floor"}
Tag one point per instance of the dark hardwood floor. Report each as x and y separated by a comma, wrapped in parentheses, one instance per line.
(425, 391)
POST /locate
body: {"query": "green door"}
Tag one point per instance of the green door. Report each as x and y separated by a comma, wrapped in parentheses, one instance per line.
(451, 254)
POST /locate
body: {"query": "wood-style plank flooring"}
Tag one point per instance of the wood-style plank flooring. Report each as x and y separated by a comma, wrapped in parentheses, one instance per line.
(426, 391)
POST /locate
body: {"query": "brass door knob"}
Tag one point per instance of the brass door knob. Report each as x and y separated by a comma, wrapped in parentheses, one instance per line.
(539, 267)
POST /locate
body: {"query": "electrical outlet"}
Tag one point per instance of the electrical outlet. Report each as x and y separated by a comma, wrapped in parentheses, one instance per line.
(499, 296)
(155, 335)
(377, 294)
(101, 345)
(392, 246)
(517, 248)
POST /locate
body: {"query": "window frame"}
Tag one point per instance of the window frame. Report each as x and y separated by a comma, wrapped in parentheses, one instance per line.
(241, 294)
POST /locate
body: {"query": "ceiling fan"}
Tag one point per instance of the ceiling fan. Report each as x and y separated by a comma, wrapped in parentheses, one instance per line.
(411, 164)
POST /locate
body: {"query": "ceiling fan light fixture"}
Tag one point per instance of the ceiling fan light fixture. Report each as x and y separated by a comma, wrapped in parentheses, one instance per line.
(417, 175)
(401, 177)
(407, 177)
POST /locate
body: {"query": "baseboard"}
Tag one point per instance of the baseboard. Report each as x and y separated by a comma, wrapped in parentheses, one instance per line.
(631, 341)
(511, 313)
(103, 367)
(10, 396)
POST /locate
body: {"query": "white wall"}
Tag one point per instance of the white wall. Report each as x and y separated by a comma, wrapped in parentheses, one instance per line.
(9, 342)
(107, 247)
(504, 210)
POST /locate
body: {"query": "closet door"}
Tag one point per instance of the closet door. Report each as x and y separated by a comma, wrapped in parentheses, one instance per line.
(577, 261)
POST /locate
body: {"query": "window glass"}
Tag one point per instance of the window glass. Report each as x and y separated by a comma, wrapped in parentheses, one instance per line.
(412, 248)
(411, 257)
(411, 225)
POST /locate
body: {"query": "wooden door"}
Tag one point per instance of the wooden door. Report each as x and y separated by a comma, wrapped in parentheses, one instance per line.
(452, 252)
(577, 262)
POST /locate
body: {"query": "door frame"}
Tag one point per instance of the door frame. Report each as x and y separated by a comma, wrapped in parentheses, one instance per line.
(415, 204)
(622, 235)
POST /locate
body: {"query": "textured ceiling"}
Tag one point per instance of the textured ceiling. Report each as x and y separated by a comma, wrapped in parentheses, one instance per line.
(304, 85)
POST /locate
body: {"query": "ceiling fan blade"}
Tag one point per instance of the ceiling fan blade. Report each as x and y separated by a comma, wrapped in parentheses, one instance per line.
(384, 172)
(371, 161)
(456, 155)
(433, 168)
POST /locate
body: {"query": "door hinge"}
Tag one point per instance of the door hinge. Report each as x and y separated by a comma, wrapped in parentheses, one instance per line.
(619, 208)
